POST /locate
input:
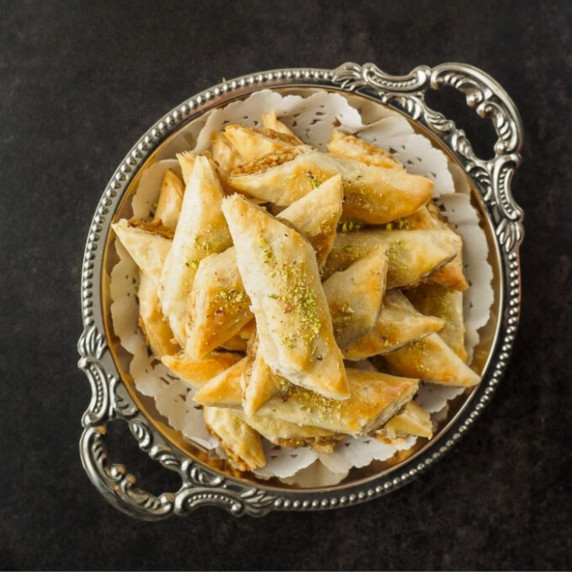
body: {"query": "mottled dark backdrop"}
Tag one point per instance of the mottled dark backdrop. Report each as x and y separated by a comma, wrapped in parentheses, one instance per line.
(79, 82)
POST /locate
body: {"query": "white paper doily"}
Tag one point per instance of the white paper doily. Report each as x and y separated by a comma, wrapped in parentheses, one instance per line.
(312, 119)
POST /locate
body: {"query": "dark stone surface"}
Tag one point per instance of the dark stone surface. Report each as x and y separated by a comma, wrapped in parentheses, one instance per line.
(79, 83)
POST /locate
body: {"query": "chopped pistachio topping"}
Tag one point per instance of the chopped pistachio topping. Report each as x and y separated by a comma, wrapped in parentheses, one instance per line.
(208, 241)
(396, 224)
(341, 317)
(230, 300)
(313, 180)
(348, 226)
(393, 252)
(311, 401)
(298, 297)
(266, 251)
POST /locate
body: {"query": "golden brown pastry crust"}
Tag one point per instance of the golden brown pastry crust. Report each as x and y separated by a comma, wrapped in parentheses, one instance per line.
(216, 391)
(292, 435)
(372, 194)
(436, 300)
(148, 249)
(413, 420)
(252, 143)
(271, 121)
(198, 372)
(225, 154)
(201, 231)
(375, 398)
(156, 226)
(280, 274)
(412, 255)
(433, 361)
(186, 162)
(170, 201)
(158, 334)
(258, 381)
(355, 295)
(240, 442)
(351, 147)
(398, 324)
(219, 305)
(451, 274)
(316, 216)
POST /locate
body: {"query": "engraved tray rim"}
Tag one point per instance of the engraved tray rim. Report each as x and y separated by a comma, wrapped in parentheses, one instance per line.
(201, 485)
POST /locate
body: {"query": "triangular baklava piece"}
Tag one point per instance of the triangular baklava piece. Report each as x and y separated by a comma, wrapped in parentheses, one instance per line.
(280, 274)
(413, 420)
(433, 361)
(258, 381)
(170, 201)
(412, 254)
(291, 435)
(375, 398)
(436, 300)
(155, 327)
(316, 216)
(224, 153)
(372, 194)
(253, 143)
(219, 305)
(240, 442)
(451, 274)
(148, 249)
(270, 121)
(219, 391)
(198, 372)
(351, 147)
(398, 324)
(186, 162)
(355, 295)
(201, 230)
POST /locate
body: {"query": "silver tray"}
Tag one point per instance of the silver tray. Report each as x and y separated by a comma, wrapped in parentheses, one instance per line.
(114, 396)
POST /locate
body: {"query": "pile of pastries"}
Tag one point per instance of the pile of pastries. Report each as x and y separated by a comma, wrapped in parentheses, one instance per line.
(304, 295)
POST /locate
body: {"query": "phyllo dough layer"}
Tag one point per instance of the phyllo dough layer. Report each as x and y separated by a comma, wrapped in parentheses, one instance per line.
(280, 274)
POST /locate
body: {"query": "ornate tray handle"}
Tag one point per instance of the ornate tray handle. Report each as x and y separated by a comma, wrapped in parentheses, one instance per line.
(488, 99)
(110, 402)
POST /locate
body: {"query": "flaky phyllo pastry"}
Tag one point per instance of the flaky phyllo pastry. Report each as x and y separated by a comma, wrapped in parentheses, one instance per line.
(303, 295)
(280, 274)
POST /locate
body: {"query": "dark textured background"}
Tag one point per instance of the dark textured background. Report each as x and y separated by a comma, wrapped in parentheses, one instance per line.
(79, 83)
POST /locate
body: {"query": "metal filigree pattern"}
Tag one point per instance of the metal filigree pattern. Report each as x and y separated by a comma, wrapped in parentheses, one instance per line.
(352, 76)
(91, 346)
(488, 99)
(201, 486)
